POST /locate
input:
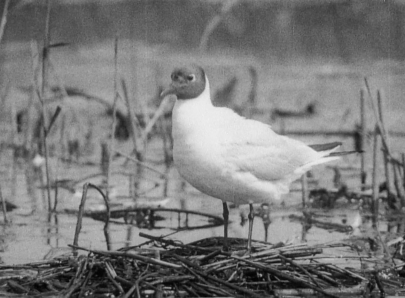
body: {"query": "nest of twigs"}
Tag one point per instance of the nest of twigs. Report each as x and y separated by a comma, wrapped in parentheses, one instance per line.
(199, 269)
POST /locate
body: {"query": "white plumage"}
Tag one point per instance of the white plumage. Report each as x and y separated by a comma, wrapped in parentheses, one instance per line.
(235, 159)
(229, 157)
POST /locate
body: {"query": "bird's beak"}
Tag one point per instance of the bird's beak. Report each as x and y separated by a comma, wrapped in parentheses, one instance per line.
(167, 91)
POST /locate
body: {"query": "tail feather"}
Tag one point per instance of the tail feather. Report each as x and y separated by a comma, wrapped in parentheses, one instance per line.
(344, 153)
(326, 147)
(327, 153)
(329, 149)
(301, 170)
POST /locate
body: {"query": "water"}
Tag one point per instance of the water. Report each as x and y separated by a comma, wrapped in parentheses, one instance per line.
(33, 233)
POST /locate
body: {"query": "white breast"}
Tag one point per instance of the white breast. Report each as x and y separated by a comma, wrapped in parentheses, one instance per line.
(198, 152)
(196, 148)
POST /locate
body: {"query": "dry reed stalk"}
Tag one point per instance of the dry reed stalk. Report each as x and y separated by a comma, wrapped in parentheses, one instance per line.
(287, 260)
(77, 281)
(86, 280)
(381, 128)
(53, 119)
(133, 120)
(167, 155)
(229, 285)
(81, 211)
(136, 256)
(283, 275)
(3, 206)
(363, 135)
(32, 109)
(14, 129)
(62, 89)
(135, 287)
(396, 165)
(135, 127)
(341, 292)
(403, 168)
(385, 156)
(131, 191)
(3, 98)
(375, 183)
(398, 183)
(157, 115)
(56, 193)
(114, 122)
(80, 215)
(151, 123)
(174, 243)
(112, 274)
(41, 96)
(138, 98)
(304, 184)
(51, 123)
(149, 241)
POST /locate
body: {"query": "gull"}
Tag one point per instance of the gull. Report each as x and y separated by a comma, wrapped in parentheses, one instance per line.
(229, 157)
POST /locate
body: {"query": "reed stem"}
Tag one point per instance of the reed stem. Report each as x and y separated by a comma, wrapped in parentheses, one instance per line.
(45, 57)
(375, 182)
(3, 206)
(304, 183)
(363, 134)
(385, 155)
(114, 122)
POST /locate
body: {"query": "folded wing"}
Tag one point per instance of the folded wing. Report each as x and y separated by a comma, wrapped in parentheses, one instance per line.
(255, 148)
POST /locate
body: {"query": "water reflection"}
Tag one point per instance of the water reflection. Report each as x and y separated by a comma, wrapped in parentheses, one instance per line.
(263, 212)
(52, 230)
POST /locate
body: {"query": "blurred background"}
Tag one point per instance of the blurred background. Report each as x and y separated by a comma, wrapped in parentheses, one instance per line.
(347, 31)
(299, 66)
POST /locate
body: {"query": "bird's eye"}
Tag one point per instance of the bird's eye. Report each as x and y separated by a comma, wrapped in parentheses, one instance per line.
(191, 78)
(175, 77)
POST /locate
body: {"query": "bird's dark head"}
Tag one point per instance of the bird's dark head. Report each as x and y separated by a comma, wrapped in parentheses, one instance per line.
(187, 82)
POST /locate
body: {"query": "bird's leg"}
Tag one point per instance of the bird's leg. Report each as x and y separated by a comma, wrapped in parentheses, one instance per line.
(226, 219)
(251, 216)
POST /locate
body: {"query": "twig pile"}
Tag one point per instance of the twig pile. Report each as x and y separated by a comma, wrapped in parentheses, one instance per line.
(200, 269)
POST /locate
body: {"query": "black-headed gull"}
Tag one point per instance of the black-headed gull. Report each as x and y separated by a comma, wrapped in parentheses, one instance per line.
(228, 156)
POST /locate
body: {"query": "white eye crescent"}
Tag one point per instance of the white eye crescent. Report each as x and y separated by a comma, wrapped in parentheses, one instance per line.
(191, 78)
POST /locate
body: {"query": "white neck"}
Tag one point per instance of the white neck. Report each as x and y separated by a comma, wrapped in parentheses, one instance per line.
(188, 113)
(202, 101)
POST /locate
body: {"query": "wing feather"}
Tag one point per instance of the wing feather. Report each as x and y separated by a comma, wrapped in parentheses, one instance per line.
(251, 146)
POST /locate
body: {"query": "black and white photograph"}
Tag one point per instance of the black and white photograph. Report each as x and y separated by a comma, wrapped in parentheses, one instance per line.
(202, 148)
